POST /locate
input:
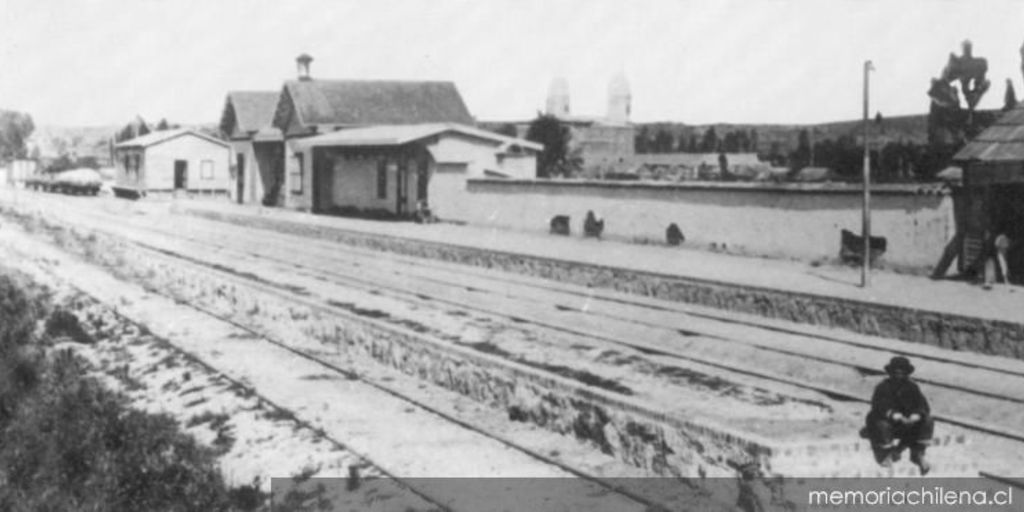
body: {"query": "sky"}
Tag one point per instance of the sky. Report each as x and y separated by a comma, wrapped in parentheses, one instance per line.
(101, 62)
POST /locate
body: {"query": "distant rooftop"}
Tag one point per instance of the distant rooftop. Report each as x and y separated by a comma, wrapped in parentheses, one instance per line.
(158, 137)
(251, 111)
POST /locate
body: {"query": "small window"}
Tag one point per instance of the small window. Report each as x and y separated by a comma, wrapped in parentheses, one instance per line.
(382, 179)
(297, 174)
(206, 170)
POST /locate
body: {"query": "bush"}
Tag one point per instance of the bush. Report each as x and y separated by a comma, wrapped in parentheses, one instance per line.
(66, 443)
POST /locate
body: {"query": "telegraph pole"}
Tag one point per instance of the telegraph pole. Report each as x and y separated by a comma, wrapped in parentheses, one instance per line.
(865, 271)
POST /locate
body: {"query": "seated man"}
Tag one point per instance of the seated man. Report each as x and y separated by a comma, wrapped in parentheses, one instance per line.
(423, 215)
(899, 417)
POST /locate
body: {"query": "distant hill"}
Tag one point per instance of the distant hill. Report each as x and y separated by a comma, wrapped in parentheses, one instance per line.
(53, 141)
(911, 129)
(50, 141)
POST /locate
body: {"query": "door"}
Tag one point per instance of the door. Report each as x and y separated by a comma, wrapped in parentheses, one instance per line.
(400, 195)
(422, 181)
(180, 174)
(240, 178)
(323, 181)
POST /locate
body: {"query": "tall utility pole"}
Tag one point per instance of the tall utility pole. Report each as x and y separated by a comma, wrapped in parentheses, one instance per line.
(865, 270)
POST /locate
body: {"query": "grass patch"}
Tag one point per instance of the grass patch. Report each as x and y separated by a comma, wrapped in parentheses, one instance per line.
(215, 419)
(67, 443)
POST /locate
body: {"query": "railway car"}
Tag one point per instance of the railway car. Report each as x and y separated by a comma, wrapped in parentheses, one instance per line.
(74, 182)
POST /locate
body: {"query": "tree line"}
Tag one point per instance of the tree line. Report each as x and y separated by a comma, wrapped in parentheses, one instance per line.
(15, 129)
(903, 159)
(138, 128)
(662, 140)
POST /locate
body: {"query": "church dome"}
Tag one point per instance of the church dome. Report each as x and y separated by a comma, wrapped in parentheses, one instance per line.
(559, 87)
(558, 98)
(618, 85)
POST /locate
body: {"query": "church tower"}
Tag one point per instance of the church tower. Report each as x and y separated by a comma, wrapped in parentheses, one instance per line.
(619, 99)
(558, 98)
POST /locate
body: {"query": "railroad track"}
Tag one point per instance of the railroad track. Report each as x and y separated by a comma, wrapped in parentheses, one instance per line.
(331, 261)
(630, 499)
(328, 260)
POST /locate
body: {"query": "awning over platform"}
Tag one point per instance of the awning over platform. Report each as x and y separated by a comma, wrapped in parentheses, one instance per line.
(397, 135)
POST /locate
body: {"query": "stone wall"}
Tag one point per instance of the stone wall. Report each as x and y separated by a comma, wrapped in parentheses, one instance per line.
(637, 434)
(634, 433)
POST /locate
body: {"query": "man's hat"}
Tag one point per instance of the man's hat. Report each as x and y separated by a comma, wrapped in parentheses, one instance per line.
(899, 363)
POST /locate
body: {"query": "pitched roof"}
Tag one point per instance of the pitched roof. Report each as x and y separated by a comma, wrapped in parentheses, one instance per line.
(396, 135)
(252, 110)
(1003, 141)
(158, 137)
(368, 102)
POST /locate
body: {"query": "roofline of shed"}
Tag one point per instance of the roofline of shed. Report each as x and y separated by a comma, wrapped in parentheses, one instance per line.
(125, 145)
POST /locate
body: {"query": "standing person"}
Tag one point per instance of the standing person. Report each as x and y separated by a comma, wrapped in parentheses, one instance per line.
(899, 417)
(995, 266)
(754, 495)
(1002, 245)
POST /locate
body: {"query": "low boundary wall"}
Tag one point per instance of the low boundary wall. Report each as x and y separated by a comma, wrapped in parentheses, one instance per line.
(791, 221)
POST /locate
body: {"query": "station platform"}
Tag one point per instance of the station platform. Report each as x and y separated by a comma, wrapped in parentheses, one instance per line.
(947, 314)
(607, 265)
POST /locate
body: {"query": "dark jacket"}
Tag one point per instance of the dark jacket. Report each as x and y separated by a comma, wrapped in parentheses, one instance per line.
(903, 397)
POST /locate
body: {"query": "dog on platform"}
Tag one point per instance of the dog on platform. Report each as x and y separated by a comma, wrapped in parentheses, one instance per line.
(674, 235)
(593, 225)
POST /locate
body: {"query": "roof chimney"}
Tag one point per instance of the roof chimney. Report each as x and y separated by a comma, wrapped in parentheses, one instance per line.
(303, 63)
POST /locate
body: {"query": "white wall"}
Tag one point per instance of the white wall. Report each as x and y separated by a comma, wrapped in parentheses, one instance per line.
(18, 170)
(447, 190)
(253, 187)
(453, 148)
(519, 166)
(158, 168)
(789, 222)
(458, 158)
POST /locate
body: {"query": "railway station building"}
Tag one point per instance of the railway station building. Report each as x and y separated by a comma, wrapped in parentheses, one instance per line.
(172, 162)
(385, 146)
(393, 170)
(257, 147)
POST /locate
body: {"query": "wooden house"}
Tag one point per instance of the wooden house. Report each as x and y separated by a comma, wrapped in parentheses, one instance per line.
(180, 161)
